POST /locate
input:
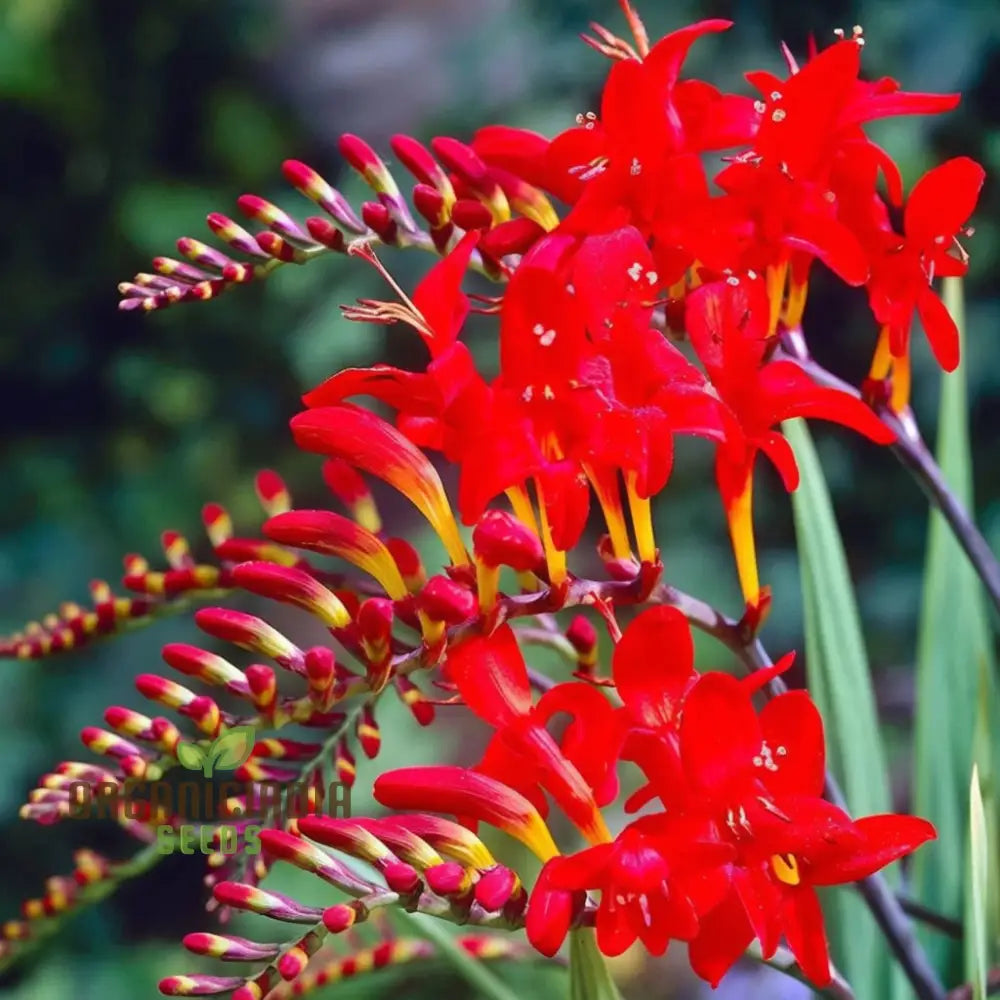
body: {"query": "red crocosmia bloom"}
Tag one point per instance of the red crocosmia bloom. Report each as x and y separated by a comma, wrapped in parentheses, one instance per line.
(726, 322)
(437, 312)
(903, 268)
(491, 675)
(809, 156)
(599, 389)
(763, 786)
(645, 877)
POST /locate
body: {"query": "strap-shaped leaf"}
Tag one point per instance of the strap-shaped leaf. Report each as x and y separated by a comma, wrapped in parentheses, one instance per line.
(840, 681)
(953, 650)
(977, 945)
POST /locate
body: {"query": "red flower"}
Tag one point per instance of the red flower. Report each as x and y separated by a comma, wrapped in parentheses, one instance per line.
(437, 312)
(491, 676)
(903, 268)
(727, 324)
(647, 878)
(763, 785)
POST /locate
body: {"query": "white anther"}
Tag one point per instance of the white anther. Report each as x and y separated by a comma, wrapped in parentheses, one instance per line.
(635, 271)
(635, 168)
(778, 115)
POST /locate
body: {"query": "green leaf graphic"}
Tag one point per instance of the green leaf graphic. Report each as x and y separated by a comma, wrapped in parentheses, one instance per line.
(230, 750)
(190, 756)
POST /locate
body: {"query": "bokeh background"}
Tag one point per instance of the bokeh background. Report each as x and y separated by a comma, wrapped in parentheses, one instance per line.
(124, 123)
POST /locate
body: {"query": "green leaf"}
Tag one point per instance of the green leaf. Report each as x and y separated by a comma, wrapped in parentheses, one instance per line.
(953, 651)
(190, 755)
(840, 682)
(589, 978)
(977, 917)
(230, 750)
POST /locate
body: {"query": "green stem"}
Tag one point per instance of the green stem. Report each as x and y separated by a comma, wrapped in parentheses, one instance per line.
(589, 978)
(470, 969)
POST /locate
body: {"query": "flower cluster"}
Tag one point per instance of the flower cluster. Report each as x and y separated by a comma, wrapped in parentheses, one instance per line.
(741, 836)
(662, 301)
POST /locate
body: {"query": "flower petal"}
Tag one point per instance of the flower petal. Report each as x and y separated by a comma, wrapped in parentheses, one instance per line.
(886, 838)
(718, 704)
(653, 665)
(806, 934)
(793, 732)
(724, 935)
(491, 676)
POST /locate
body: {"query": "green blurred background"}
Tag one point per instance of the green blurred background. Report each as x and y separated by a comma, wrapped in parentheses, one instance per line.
(124, 123)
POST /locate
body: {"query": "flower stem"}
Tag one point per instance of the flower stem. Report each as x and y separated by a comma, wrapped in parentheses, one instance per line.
(916, 458)
(470, 969)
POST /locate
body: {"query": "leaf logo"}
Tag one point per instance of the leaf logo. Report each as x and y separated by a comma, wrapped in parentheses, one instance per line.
(226, 753)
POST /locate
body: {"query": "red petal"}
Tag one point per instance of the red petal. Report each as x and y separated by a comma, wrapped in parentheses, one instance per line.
(439, 296)
(614, 929)
(791, 393)
(806, 934)
(613, 273)
(942, 200)
(666, 57)
(793, 729)
(491, 676)
(592, 740)
(550, 912)
(653, 665)
(779, 451)
(566, 495)
(583, 870)
(938, 324)
(402, 390)
(724, 935)
(761, 900)
(718, 704)
(832, 242)
(886, 838)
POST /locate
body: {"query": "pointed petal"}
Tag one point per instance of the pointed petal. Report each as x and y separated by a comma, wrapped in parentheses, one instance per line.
(583, 870)
(942, 200)
(718, 704)
(724, 935)
(653, 665)
(793, 730)
(886, 838)
(806, 934)
(491, 676)
(938, 324)
(791, 393)
(439, 296)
